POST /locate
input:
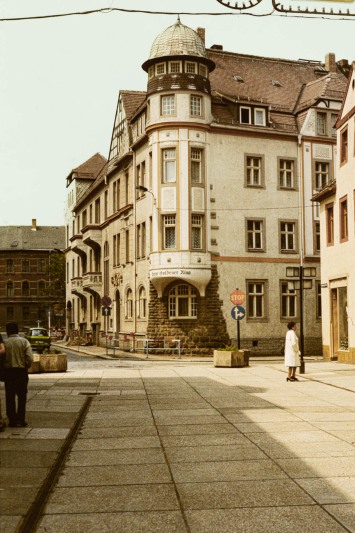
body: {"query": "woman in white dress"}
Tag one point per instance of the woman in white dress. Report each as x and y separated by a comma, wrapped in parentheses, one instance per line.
(292, 352)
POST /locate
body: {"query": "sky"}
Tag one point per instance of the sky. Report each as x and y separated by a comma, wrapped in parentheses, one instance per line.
(60, 79)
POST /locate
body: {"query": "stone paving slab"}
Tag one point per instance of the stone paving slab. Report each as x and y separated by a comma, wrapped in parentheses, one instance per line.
(204, 440)
(192, 454)
(24, 445)
(117, 431)
(272, 427)
(116, 443)
(265, 493)
(15, 501)
(127, 522)
(35, 458)
(344, 513)
(114, 457)
(311, 449)
(292, 436)
(22, 477)
(240, 416)
(310, 467)
(330, 490)
(113, 499)
(199, 429)
(263, 520)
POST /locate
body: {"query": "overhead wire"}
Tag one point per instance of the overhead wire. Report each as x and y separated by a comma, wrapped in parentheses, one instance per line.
(108, 10)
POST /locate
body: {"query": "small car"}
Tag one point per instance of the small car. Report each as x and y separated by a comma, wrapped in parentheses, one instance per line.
(39, 339)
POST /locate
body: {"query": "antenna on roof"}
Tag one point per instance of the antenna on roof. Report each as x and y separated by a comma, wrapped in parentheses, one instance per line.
(178, 20)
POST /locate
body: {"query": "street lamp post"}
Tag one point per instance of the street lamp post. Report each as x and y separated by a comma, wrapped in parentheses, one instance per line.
(301, 282)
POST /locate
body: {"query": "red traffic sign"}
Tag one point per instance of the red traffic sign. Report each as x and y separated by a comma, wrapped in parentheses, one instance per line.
(237, 297)
(106, 301)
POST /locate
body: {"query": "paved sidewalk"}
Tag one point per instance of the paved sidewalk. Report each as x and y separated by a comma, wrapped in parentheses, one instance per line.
(183, 448)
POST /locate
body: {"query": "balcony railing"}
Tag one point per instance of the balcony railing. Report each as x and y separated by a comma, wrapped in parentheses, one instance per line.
(92, 281)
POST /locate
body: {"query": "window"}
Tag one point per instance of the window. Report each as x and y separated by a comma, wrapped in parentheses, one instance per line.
(129, 304)
(344, 146)
(105, 206)
(334, 118)
(190, 67)
(343, 213)
(196, 165)
(168, 105)
(9, 266)
(169, 225)
(10, 289)
(169, 165)
(42, 288)
(255, 235)
(128, 256)
(321, 123)
(142, 303)
(182, 302)
(174, 67)
(329, 221)
(202, 70)
(254, 167)
(244, 116)
(259, 117)
(256, 299)
(319, 299)
(288, 301)
(196, 232)
(160, 69)
(316, 237)
(141, 241)
(25, 288)
(195, 106)
(85, 218)
(97, 211)
(126, 179)
(9, 314)
(25, 265)
(25, 313)
(288, 236)
(321, 174)
(286, 173)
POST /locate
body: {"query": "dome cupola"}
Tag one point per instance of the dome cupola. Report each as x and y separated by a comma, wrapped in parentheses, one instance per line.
(177, 40)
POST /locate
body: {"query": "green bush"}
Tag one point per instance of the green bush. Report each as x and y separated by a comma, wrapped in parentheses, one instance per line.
(229, 349)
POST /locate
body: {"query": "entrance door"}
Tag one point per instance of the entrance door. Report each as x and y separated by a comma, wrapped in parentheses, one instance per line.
(334, 324)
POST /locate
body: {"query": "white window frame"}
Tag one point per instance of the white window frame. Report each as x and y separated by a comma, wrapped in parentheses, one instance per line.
(262, 111)
(172, 65)
(288, 301)
(162, 67)
(169, 165)
(195, 105)
(288, 236)
(241, 109)
(286, 173)
(196, 165)
(185, 292)
(196, 232)
(254, 169)
(255, 232)
(129, 304)
(169, 232)
(321, 174)
(256, 298)
(190, 67)
(167, 105)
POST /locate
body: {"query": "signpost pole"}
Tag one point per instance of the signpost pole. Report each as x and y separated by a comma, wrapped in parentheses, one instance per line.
(238, 333)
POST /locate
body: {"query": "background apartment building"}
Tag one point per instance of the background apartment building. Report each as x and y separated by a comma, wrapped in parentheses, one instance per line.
(207, 189)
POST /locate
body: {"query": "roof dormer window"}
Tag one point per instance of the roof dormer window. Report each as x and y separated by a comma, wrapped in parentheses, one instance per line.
(203, 70)
(252, 115)
(190, 67)
(245, 115)
(259, 117)
(174, 67)
(276, 83)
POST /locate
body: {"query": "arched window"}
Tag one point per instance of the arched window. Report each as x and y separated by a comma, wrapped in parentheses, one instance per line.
(129, 304)
(142, 303)
(25, 288)
(182, 302)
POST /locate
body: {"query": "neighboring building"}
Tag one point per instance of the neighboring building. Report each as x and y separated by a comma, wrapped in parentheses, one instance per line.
(206, 190)
(338, 241)
(25, 256)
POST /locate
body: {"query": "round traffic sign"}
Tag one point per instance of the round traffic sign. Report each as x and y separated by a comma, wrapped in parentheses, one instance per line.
(238, 312)
(237, 297)
(106, 301)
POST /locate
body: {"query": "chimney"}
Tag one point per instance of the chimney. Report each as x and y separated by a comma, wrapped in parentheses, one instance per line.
(330, 64)
(202, 33)
(34, 225)
(217, 47)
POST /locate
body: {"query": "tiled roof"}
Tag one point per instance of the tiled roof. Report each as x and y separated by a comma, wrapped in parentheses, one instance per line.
(96, 182)
(91, 167)
(131, 101)
(331, 85)
(25, 238)
(272, 81)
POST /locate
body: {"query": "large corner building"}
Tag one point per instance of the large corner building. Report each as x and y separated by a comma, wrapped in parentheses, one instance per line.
(206, 190)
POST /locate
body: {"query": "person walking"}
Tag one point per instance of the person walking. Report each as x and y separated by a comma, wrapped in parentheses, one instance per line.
(292, 352)
(18, 358)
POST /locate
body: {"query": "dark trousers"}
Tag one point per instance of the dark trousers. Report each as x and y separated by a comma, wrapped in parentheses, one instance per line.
(16, 380)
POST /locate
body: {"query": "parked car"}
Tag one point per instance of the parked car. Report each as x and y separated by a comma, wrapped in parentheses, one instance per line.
(39, 339)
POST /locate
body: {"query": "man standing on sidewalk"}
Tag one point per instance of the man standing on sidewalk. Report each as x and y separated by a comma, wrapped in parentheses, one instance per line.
(18, 358)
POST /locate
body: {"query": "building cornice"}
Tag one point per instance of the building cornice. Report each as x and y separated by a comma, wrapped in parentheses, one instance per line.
(326, 192)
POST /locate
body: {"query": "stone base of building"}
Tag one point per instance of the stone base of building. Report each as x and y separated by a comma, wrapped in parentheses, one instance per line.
(340, 356)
